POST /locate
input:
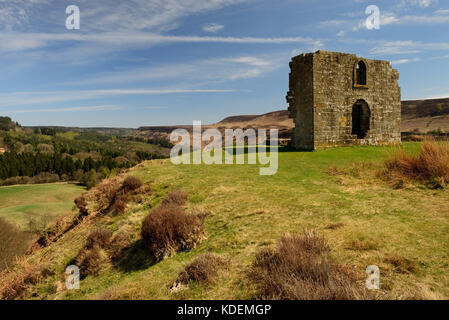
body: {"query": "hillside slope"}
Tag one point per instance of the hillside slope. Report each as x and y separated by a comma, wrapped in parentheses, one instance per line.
(422, 115)
(425, 115)
(404, 232)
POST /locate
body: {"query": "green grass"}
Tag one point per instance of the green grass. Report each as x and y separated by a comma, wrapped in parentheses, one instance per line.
(249, 212)
(41, 203)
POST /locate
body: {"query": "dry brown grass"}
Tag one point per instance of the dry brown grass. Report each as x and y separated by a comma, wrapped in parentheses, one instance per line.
(300, 268)
(168, 229)
(430, 166)
(13, 243)
(203, 269)
(177, 197)
(362, 245)
(334, 226)
(16, 285)
(402, 265)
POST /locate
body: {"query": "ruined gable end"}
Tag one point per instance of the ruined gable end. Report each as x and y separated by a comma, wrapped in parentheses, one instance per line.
(339, 99)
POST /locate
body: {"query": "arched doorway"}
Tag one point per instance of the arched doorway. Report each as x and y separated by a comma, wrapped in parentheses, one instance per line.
(360, 119)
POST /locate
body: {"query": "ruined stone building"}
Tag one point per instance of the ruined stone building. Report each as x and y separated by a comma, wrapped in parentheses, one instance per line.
(339, 99)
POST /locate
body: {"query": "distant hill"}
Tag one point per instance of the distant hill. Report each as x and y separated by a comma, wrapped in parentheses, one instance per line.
(422, 115)
(277, 119)
(425, 115)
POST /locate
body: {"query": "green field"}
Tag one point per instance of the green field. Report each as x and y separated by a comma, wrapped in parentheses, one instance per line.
(39, 203)
(250, 212)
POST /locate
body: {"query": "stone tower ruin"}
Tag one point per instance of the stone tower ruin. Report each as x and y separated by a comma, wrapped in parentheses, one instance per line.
(339, 99)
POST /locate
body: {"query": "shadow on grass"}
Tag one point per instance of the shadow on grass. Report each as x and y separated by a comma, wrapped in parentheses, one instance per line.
(134, 258)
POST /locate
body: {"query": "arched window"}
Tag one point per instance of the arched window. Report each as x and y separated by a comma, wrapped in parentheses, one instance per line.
(361, 115)
(360, 73)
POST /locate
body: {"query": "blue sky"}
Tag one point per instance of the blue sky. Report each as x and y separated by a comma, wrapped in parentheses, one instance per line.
(168, 62)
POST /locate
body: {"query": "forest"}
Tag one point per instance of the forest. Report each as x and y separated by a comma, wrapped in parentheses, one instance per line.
(41, 155)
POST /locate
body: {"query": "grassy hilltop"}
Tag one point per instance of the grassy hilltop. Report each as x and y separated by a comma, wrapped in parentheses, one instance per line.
(335, 192)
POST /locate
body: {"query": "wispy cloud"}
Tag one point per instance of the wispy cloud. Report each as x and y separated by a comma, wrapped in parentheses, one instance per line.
(407, 47)
(217, 69)
(213, 27)
(45, 97)
(74, 109)
(403, 61)
(10, 42)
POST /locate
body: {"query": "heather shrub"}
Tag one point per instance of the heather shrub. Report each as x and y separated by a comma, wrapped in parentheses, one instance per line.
(203, 269)
(300, 268)
(177, 197)
(99, 237)
(92, 255)
(89, 260)
(169, 229)
(131, 183)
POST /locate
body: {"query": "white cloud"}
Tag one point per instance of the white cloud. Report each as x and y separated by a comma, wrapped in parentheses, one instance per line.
(403, 61)
(213, 27)
(10, 42)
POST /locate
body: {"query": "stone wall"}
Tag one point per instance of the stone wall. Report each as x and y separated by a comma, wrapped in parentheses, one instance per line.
(322, 95)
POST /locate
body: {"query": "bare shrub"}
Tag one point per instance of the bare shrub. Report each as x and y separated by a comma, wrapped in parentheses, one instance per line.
(177, 197)
(117, 193)
(203, 269)
(90, 260)
(13, 243)
(99, 237)
(299, 268)
(169, 229)
(131, 183)
(120, 205)
(81, 204)
(430, 166)
(92, 255)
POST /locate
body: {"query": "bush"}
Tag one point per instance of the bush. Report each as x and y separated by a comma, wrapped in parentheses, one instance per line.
(120, 204)
(203, 269)
(169, 229)
(90, 260)
(99, 237)
(300, 269)
(177, 197)
(430, 166)
(92, 255)
(131, 183)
